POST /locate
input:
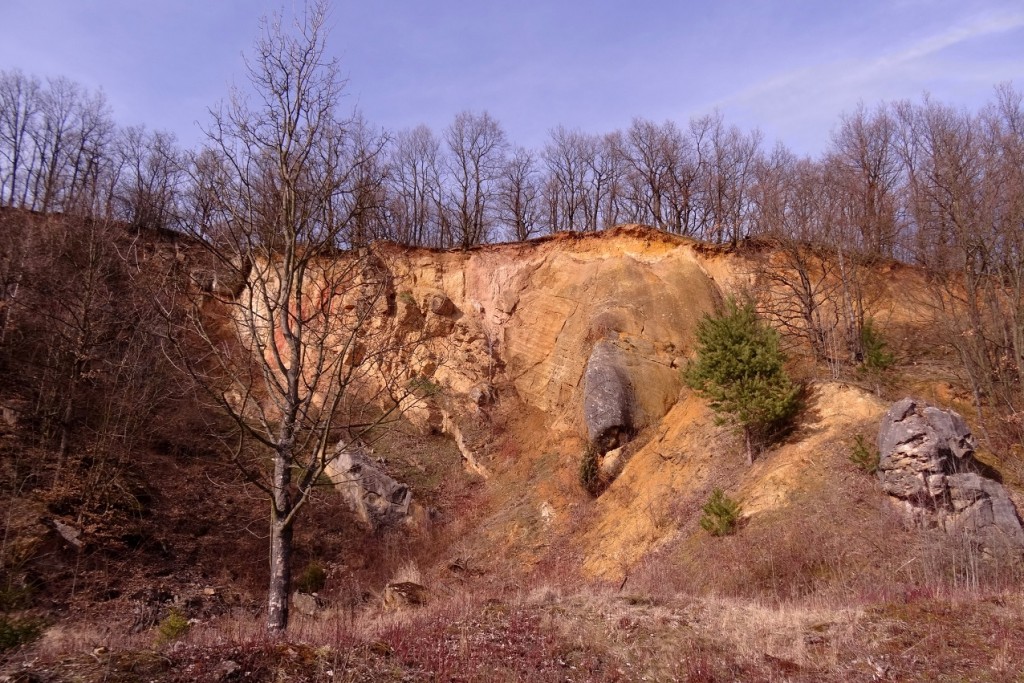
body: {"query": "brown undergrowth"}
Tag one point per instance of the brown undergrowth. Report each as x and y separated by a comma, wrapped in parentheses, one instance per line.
(553, 634)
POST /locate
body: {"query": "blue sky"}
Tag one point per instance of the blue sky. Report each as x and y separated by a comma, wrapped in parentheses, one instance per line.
(788, 67)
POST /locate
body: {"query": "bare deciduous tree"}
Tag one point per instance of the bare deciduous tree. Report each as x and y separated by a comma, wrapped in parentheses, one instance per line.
(727, 159)
(151, 170)
(798, 289)
(868, 170)
(365, 201)
(655, 155)
(19, 105)
(519, 195)
(565, 156)
(414, 188)
(476, 143)
(298, 336)
(964, 189)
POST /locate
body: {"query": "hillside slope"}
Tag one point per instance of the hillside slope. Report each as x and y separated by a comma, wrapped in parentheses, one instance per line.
(521, 347)
(524, 321)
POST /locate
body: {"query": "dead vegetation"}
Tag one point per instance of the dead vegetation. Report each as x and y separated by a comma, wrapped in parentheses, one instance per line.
(548, 634)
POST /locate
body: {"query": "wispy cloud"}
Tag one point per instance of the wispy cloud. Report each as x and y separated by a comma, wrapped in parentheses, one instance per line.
(979, 28)
(845, 72)
(797, 103)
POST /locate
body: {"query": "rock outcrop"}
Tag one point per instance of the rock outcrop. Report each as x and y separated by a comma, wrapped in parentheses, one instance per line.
(927, 464)
(307, 603)
(608, 404)
(398, 594)
(373, 495)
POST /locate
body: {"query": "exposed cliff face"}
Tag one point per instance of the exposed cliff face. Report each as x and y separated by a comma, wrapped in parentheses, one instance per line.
(526, 317)
(582, 339)
(535, 353)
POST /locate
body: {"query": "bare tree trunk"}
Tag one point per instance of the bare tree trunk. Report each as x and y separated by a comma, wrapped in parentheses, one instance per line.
(280, 573)
(853, 322)
(7, 305)
(65, 424)
(280, 547)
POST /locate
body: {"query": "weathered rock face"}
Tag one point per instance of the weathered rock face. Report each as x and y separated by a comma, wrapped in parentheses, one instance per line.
(514, 318)
(919, 445)
(928, 465)
(607, 398)
(374, 496)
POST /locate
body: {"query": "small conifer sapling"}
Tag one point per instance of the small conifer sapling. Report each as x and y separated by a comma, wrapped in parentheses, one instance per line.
(740, 371)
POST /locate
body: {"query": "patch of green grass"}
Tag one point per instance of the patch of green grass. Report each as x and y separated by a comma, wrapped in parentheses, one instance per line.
(423, 387)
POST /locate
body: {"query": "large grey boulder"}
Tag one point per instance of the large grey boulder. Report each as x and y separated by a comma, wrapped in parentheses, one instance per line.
(927, 465)
(373, 495)
(608, 403)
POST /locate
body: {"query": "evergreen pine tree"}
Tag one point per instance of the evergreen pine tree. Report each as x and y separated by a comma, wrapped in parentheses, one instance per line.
(721, 514)
(739, 370)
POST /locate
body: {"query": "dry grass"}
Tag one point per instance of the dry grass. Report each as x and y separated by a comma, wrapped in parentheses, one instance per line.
(672, 639)
(827, 586)
(409, 572)
(550, 630)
